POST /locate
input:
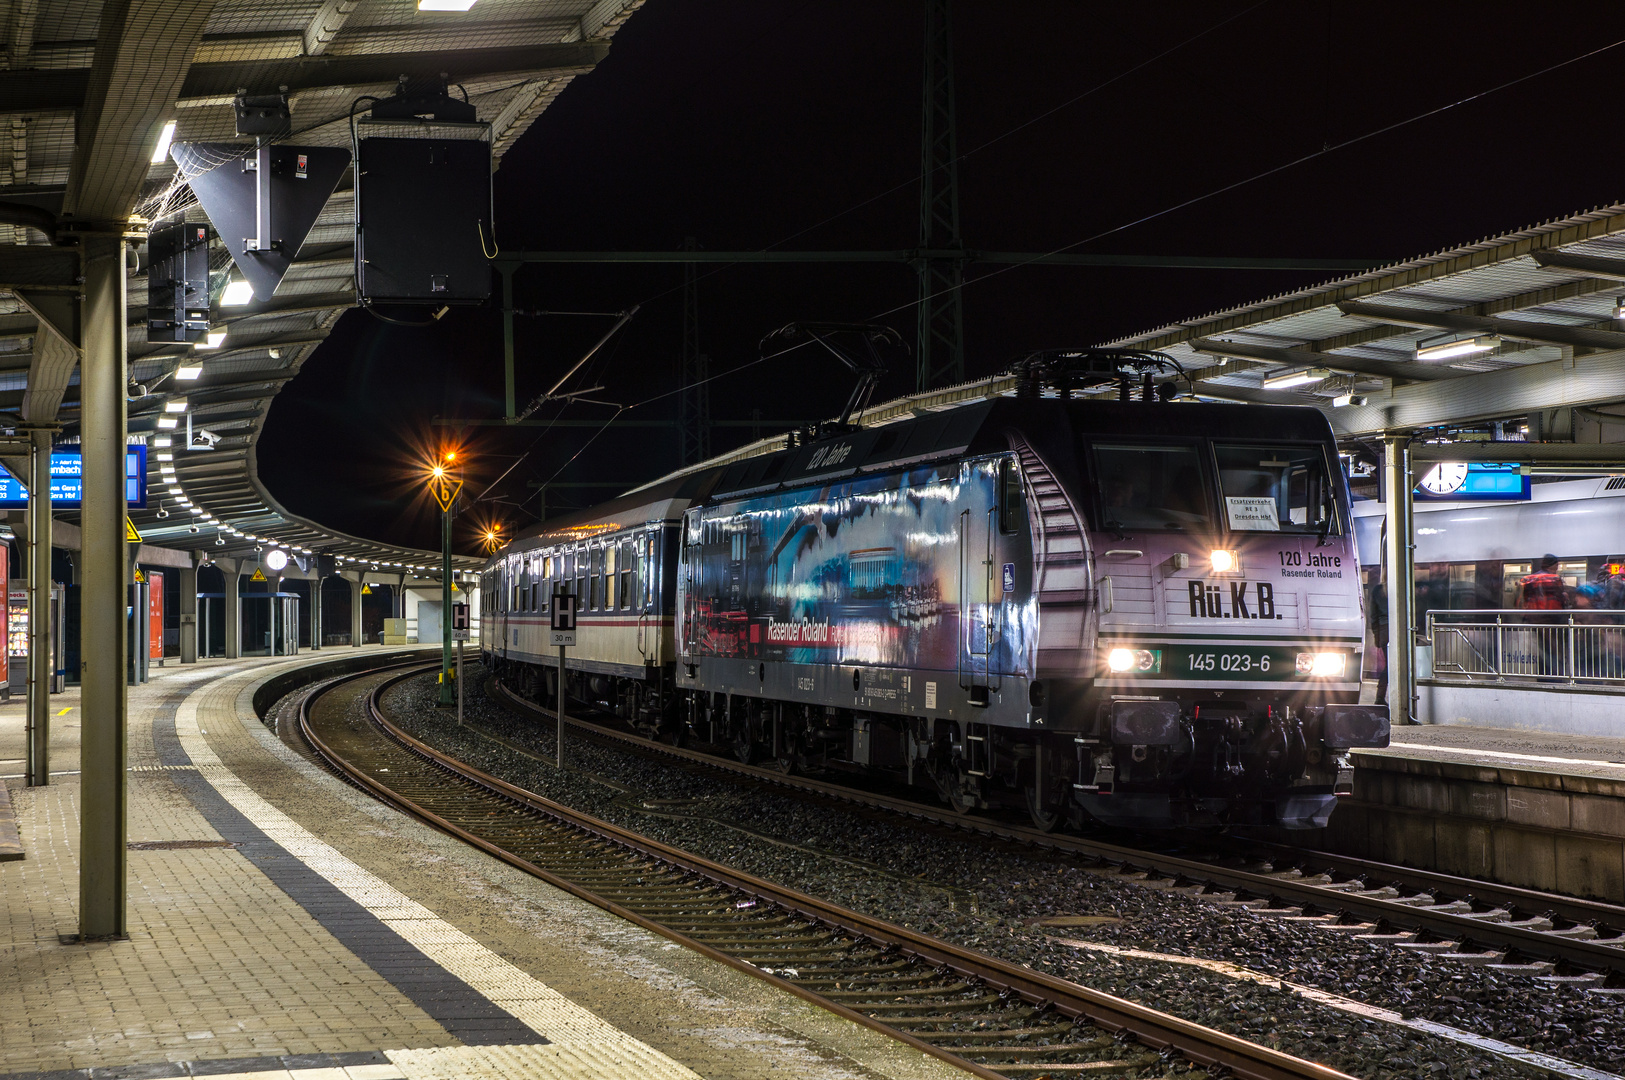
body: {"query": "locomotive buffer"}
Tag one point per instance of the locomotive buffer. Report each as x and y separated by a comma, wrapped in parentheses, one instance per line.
(563, 635)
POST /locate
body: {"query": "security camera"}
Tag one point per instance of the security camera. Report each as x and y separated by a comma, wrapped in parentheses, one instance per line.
(258, 549)
(191, 528)
(220, 541)
(162, 513)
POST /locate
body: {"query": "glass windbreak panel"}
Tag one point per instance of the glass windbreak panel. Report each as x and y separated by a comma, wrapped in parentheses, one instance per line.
(1150, 487)
(1275, 489)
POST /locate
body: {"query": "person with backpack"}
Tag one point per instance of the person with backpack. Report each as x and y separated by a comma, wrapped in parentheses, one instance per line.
(1546, 591)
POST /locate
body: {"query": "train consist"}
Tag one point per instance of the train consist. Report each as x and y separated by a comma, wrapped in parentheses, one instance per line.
(1143, 613)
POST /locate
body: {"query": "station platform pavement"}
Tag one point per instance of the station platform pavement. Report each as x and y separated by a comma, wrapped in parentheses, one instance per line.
(284, 925)
(1535, 809)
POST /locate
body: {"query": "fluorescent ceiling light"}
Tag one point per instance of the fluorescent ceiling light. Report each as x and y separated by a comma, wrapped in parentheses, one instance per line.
(163, 440)
(1446, 350)
(445, 5)
(212, 340)
(1295, 378)
(197, 511)
(160, 153)
(188, 372)
(176, 489)
(175, 404)
(168, 423)
(166, 455)
(238, 292)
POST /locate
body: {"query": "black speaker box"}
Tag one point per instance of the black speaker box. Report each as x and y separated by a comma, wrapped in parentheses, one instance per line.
(177, 280)
(421, 208)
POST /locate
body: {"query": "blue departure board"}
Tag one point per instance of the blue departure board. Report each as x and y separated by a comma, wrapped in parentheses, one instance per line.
(67, 481)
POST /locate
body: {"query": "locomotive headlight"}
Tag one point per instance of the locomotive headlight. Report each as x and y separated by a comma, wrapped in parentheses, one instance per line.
(1139, 661)
(1322, 664)
(1223, 561)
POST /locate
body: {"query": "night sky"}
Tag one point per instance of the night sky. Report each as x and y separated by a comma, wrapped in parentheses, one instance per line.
(772, 123)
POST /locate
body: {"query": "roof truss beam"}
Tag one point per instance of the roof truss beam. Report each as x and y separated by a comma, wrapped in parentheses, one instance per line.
(1544, 333)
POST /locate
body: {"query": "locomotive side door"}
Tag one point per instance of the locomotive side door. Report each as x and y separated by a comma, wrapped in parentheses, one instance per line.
(979, 603)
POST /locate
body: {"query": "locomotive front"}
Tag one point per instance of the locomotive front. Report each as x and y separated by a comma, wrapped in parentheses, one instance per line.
(1219, 678)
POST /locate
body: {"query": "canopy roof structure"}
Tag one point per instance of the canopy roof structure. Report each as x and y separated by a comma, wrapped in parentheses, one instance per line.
(86, 92)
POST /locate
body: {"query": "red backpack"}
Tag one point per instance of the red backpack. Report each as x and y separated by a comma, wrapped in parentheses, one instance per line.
(1544, 591)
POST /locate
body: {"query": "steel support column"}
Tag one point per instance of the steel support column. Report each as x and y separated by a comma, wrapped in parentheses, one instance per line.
(103, 598)
(189, 614)
(1398, 554)
(355, 610)
(316, 612)
(38, 766)
(234, 614)
(506, 270)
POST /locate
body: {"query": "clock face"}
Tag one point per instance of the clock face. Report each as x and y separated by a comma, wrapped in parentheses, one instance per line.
(1445, 478)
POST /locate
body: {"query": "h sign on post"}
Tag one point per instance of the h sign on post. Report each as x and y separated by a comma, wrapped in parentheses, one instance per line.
(563, 632)
(459, 621)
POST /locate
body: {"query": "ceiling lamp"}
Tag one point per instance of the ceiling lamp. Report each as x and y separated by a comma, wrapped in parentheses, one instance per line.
(445, 5)
(168, 423)
(211, 340)
(175, 405)
(160, 153)
(1447, 350)
(237, 293)
(1291, 379)
(188, 372)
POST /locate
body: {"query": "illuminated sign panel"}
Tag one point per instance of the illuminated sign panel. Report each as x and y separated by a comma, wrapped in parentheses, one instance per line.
(1475, 482)
(67, 481)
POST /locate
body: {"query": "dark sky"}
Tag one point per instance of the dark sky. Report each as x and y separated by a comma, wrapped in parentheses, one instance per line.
(792, 123)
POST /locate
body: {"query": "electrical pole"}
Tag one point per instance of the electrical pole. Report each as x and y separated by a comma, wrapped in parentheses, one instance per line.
(694, 395)
(941, 259)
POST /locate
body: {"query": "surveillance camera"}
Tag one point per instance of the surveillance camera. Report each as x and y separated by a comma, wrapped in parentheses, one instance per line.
(191, 528)
(220, 541)
(162, 513)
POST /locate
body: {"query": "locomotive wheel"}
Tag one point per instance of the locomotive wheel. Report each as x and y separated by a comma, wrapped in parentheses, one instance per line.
(1047, 812)
(743, 741)
(951, 787)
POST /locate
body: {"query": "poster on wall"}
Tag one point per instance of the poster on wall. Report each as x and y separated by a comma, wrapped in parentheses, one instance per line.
(155, 615)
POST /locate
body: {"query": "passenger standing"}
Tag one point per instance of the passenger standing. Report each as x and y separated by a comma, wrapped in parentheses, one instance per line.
(1545, 590)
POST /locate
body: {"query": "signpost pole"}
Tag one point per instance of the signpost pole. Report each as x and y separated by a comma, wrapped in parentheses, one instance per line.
(561, 709)
(563, 634)
(459, 682)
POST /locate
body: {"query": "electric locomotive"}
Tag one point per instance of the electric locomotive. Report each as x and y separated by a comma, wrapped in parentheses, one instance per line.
(1143, 613)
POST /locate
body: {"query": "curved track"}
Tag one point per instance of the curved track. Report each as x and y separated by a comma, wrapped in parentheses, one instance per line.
(989, 1017)
(1414, 908)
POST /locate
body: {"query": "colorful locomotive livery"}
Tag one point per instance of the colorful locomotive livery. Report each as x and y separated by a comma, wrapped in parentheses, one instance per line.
(1141, 613)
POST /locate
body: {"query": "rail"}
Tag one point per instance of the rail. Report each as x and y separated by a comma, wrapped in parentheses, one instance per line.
(1512, 645)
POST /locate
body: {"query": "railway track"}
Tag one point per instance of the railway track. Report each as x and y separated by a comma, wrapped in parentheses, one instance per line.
(989, 1017)
(1542, 934)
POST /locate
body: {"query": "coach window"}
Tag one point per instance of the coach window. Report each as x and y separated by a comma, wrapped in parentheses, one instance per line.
(547, 583)
(596, 586)
(609, 576)
(583, 560)
(645, 545)
(628, 583)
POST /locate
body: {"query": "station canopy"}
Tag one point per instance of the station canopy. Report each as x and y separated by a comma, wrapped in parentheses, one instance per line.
(83, 103)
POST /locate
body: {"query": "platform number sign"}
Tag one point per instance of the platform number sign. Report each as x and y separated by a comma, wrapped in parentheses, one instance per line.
(563, 631)
(459, 621)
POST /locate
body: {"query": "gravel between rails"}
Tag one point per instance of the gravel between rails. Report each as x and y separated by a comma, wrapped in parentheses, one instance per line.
(966, 890)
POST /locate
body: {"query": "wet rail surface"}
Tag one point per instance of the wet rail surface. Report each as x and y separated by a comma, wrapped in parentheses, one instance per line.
(1575, 939)
(992, 1018)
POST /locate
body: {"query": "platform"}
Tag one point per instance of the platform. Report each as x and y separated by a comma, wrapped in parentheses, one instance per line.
(1534, 809)
(284, 925)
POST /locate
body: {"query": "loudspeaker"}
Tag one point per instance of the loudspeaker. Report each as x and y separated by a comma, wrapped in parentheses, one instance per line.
(178, 280)
(422, 207)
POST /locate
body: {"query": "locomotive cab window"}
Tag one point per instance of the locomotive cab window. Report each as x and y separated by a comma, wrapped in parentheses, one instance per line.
(1275, 488)
(1009, 496)
(1150, 487)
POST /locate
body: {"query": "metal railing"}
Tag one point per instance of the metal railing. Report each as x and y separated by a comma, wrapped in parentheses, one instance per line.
(1581, 646)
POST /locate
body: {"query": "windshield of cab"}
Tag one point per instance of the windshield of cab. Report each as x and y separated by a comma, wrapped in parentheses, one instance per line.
(1274, 488)
(1151, 487)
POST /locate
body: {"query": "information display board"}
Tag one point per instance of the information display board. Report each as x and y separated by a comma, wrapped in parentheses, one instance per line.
(68, 485)
(155, 615)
